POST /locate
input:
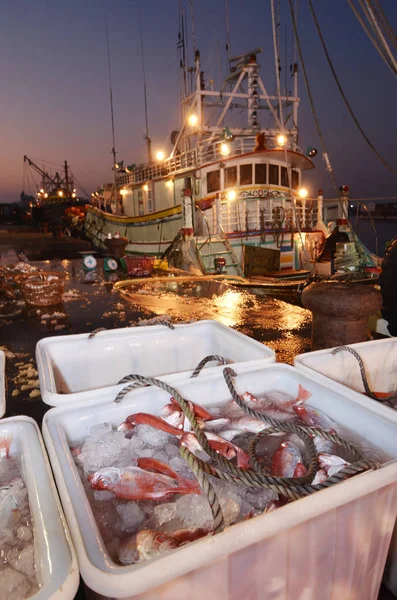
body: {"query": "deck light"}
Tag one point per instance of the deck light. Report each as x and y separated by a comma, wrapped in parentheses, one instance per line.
(231, 195)
(169, 184)
(145, 187)
(192, 120)
(42, 191)
(281, 139)
(123, 192)
(60, 193)
(73, 195)
(160, 155)
(302, 193)
(45, 195)
(225, 149)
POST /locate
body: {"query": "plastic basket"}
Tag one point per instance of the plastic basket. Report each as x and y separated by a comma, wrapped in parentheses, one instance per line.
(11, 278)
(46, 289)
(139, 266)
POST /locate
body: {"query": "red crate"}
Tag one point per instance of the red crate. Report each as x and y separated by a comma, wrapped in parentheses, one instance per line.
(139, 266)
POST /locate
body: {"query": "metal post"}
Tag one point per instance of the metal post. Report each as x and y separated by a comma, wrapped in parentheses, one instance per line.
(218, 213)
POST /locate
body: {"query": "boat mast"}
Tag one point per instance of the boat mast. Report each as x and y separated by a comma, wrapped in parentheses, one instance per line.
(67, 180)
(227, 34)
(295, 76)
(147, 137)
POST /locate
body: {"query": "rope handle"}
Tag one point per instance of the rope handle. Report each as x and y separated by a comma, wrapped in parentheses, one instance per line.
(364, 376)
(166, 322)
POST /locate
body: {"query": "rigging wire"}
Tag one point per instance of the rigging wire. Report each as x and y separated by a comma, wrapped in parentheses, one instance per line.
(147, 138)
(193, 31)
(352, 114)
(311, 101)
(110, 92)
(375, 26)
(373, 41)
(385, 22)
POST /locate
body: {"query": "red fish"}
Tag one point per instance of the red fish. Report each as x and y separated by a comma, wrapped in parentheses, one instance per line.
(314, 418)
(134, 483)
(152, 421)
(287, 461)
(198, 410)
(5, 445)
(173, 415)
(149, 543)
(156, 466)
(224, 448)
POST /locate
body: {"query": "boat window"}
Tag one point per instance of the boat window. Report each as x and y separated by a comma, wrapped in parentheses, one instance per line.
(284, 177)
(246, 174)
(213, 181)
(294, 179)
(230, 177)
(260, 173)
(273, 174)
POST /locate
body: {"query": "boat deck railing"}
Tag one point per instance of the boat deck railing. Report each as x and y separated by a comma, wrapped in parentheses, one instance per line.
(204, 153)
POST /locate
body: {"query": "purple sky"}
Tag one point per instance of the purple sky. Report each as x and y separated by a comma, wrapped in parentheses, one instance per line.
(54, 96)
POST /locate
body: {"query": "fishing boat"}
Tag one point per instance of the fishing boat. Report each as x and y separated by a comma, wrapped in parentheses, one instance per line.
(230, 187)
(55, 191)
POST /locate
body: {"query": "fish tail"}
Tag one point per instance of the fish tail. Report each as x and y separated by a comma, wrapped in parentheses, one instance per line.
(303, 395)
(5, 445)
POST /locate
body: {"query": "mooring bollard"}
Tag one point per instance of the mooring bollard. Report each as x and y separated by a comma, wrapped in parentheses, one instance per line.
(340, 312)
(116, 246)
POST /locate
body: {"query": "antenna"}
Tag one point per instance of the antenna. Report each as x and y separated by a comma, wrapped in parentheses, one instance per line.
(111, 93)
(227, 32)
(193, 32)
(147, 138)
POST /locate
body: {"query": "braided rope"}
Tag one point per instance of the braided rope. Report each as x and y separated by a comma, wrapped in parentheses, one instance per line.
(207, 359)
(291, 487)
(207, 487)
(364, 375)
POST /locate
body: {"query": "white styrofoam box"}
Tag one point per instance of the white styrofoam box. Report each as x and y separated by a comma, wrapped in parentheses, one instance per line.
(56, 565)
(330, 545)
(2, 383)
(71, 366)
(380, 361)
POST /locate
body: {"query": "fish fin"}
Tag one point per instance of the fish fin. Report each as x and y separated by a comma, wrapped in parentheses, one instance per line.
(243, 459)
(303, 394)
(5, 445)
(156, 466)
(202, 413)
(300, 470)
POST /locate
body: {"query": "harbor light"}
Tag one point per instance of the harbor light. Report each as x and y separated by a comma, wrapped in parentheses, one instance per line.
(145, 187)
(160, 155)
(73, 195)
(231, 195)
(169, 184)
(42, 191)
(45, 195)
(60, 193)
(225, 149)
(281, 139)
(74, 189)
(192, 120)
(302, 193)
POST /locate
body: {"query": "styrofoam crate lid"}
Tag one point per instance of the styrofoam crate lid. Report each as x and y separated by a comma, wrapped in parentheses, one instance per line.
(64, 426)
(56, 563)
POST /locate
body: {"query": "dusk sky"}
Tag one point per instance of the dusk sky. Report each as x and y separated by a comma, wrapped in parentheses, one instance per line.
(54, 92)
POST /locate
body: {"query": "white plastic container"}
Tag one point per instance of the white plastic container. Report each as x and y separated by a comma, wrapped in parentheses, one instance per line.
(74, 365)
(330, 545)
(2, 384)
(56, 565)
(380, 361)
